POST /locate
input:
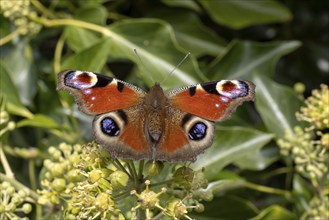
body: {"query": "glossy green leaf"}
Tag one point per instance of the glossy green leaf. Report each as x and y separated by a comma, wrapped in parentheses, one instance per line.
(227, 181)
(302, 192)
(227, 207)
(189, 4)
(92, 59)
(240, 14)
(19, 65)
(79, 38)
(191, 34)
(276, 104)
(157, 47)
(245, 57)
(275, 212)
(232, 144)
(8, 90)
(94, 14)
(38, 120)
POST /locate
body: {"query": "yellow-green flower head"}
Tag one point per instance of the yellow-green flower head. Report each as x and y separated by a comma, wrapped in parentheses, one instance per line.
(13, 201)
(119, 179)
(316, 111)
(176, 209)
(19, 11)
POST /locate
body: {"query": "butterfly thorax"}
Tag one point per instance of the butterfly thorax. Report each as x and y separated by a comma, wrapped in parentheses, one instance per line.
(155, 110)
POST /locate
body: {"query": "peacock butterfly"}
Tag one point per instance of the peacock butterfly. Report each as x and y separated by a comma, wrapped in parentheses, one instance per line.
(175, 125)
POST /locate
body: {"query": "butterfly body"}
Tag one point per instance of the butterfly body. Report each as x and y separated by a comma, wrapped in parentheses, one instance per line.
(174, 125)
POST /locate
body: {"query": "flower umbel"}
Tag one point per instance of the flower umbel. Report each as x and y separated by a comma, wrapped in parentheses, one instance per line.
(316, 111)
(18, 12)
(13, 201)
(92, 185)
(308, 147)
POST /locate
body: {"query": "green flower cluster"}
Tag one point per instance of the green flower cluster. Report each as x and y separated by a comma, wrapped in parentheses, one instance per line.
(89, 184)
(310, 156)
(318, 209)
(308, 147)
(18, 12)
(13, 202)
(316, 111)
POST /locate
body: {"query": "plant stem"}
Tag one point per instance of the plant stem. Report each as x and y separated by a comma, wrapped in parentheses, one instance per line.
(119, 166)
(19, 186)
(5, 164)
(10, 36)
(32, 174)
(267, 189)
(161, 183)
(58, 54)
(42, 9)
(121, 195)
(132, 170)
(140, 170)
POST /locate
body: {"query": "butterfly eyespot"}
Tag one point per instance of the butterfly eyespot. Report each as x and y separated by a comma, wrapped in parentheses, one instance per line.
(198, 131)
(110, 127)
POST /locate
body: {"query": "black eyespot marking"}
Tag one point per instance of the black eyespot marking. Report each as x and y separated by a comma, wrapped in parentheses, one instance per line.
(185, 119)
(103, 81)
(198, 131)
(123, 116)
(110, 127)
(210, 87)
(120, 86)
(192, 90)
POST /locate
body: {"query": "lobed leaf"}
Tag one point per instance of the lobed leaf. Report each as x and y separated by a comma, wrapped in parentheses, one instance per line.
(242, 14)
(276, 104)
(231, 145)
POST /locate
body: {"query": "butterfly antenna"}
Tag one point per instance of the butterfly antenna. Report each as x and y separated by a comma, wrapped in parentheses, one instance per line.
(143, 66)
(178, 65)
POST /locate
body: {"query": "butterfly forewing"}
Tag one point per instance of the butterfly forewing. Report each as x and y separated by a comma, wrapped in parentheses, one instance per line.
(214, 101)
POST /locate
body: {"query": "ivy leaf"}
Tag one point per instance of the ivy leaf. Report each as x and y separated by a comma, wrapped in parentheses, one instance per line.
(231, 145)
(158, 49)
(274, 212)
(276, 104)
(8, 90)
(191, 33)
(92, 59)
(245, 57)
(38, 120)
(242, 14)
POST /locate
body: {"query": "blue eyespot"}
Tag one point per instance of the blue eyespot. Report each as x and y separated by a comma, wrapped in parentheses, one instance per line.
(198, 131)
(110, 127)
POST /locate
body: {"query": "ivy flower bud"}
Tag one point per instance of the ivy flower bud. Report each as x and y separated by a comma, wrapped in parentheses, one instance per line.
(183, 177)
(177, 209)
(74, 175)
(119, 179)
(58, 184)
(27, 208)
(95, 175)
(154, 168)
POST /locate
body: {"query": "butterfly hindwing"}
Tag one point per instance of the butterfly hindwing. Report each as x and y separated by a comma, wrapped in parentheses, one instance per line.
(185, 137)
(95, 93)
(214, 101)
(122, 133)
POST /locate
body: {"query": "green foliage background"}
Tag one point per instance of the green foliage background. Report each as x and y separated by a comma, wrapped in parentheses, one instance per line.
(274, 44)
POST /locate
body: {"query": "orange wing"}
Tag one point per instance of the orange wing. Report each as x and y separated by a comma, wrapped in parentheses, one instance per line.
(97, 94)
(214, 101)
